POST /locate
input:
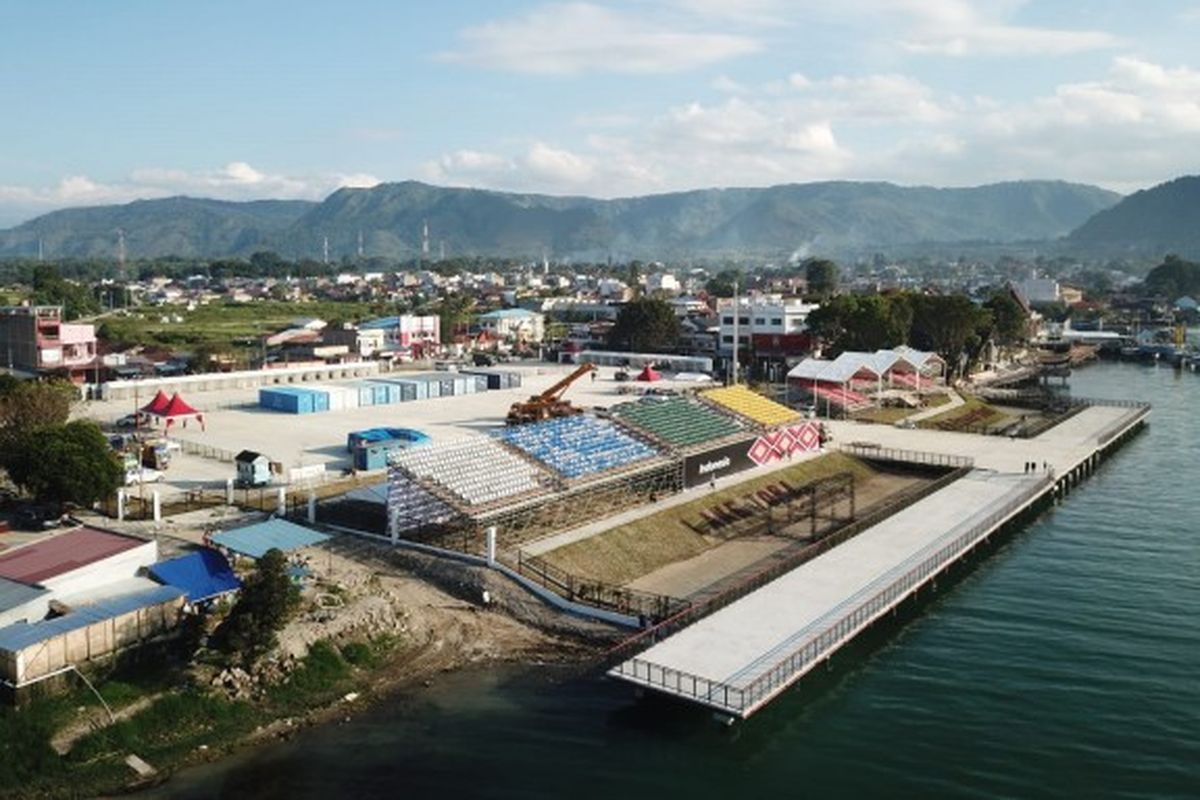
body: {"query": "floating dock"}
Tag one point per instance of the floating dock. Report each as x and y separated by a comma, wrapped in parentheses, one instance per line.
(740, 657)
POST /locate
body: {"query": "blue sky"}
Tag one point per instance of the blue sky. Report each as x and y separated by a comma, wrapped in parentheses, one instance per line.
(113, 101)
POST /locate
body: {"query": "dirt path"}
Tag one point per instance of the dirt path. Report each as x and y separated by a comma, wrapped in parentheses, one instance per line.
(94, 719)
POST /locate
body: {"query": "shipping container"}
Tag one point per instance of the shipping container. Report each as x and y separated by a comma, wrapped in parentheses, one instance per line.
(292, 400)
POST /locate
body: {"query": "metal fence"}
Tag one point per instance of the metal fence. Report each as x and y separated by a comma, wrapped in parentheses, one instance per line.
(773, 672)
(776, 569)
(898, 455)
(1142, 410)
(647, 606)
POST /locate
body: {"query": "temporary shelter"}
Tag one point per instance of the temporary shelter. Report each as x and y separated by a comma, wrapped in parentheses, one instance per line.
(648, 374)
(178, 410)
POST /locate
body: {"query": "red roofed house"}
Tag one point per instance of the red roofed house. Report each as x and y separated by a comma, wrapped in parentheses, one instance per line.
(78, 561)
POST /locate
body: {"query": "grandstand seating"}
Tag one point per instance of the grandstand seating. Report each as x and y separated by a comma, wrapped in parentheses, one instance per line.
(909, 379)
(677, 421)
(577, 446)
(750, 405)
(846, 398)
(411, 507)
(476, 469)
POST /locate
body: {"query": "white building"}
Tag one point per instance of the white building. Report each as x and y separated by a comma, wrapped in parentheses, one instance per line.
(757, 315)
(407, 331)
(514, 324)
(1039, 290)
(662, 282)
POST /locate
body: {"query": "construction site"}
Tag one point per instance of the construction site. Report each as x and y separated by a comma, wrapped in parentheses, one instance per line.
(631, 497)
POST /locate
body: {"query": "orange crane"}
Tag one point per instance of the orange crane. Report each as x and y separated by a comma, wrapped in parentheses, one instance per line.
(549, 404)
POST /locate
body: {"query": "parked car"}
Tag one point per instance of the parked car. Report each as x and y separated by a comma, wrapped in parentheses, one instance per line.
(144, 475)
(32, 517)
(133, 420)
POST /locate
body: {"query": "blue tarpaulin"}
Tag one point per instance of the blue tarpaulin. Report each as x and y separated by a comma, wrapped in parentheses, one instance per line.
(254, 541)
(203, 575)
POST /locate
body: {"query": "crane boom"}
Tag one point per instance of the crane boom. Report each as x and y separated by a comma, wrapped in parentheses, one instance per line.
(555, 391)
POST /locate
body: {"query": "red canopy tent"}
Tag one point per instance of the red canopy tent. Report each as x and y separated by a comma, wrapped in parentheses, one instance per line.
(157, 405)
(178, 408)
(648, 374)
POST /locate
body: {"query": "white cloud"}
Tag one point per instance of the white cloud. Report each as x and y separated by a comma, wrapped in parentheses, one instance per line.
(237, 180)
(571, 38)
(981, 28)
(1135, 125)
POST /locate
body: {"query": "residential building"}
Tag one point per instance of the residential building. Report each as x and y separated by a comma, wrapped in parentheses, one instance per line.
(514, 324)
(35, 339)
(760, 315)
(408, 333)
(366, 342)
(1039, 290)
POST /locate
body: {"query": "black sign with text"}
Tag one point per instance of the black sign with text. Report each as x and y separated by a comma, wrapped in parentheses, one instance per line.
(702, 467)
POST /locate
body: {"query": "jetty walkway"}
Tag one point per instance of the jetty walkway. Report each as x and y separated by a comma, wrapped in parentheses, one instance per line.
(738, 658)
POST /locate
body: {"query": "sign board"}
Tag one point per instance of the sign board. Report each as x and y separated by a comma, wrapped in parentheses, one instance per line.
(718, 462)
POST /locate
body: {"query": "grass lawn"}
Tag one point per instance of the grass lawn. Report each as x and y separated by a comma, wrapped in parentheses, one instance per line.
(222, 323)
(972, 413)
(636, 548)
(889, 415)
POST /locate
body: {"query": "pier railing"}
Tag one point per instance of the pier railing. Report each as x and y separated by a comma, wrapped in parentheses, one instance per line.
(899, 455)
(776, 569)
(778, 668)
(645, 605)
(1140, 412)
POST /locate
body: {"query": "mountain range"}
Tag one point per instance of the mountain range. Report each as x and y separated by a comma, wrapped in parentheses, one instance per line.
(1156, 221)
(828, 218)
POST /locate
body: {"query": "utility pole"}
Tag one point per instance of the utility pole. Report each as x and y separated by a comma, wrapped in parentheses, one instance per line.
(733, 371)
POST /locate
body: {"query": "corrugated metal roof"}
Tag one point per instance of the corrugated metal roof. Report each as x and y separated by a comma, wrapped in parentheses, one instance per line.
(255, 540)
(203, 574)
(63, 553)
(376, 494)
(14, 594)
(23, 634)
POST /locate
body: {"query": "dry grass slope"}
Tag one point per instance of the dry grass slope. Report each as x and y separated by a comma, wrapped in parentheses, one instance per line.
(622, 554)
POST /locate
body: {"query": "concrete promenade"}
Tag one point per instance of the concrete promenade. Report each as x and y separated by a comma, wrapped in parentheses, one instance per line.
(740, 657)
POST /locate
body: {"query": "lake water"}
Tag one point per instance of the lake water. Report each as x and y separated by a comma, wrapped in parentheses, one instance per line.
(1065, 664)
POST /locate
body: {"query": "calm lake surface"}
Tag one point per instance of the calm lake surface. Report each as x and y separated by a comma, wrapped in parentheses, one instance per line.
(1064, 664)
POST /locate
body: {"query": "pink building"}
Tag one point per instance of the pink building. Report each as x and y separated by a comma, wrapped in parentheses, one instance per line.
(35, 339)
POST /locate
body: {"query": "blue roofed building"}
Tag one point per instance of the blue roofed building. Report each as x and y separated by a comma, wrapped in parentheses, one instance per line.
(89, 629)
(253, 541)
(204, 575)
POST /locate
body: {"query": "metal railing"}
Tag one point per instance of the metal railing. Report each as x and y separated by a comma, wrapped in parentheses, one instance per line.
(902, 456)
(838, 625)
(1123, 424)
(645, 605)
(776, 569)
(206, 451)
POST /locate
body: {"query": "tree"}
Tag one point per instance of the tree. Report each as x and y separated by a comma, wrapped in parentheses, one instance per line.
(821, 274)
(721, 285)
(647, 325)
(863, 323)
(70, 463)
(266, 601)
(26, 406)
(1174, 278)
(454, 311)
(949, 326)
(51, 290)
(1011, 326)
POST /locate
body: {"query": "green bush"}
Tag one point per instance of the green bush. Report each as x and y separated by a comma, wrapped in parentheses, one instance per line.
(358, 654)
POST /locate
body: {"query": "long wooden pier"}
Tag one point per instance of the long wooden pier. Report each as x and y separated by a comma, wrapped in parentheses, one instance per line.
(740, 657)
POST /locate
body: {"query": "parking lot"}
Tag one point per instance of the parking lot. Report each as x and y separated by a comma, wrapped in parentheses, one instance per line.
(233, 423)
